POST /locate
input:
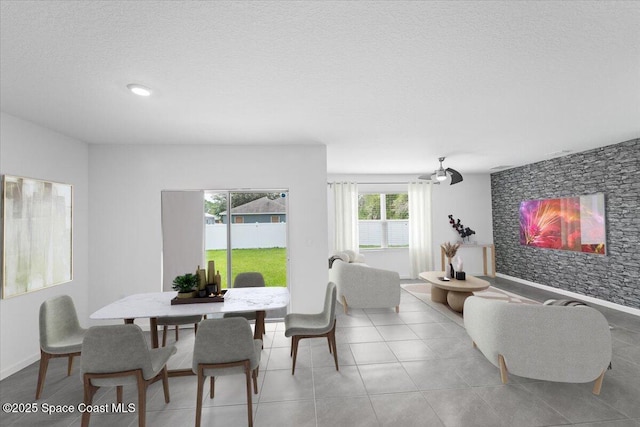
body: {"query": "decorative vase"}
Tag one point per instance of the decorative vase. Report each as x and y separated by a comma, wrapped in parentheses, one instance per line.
(448, 269)
(190, 294)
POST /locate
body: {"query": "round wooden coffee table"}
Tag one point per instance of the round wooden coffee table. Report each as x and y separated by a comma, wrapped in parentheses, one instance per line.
(454, 292)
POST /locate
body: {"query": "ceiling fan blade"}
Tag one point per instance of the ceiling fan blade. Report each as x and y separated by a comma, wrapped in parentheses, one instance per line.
(456, 177)
(428, 177)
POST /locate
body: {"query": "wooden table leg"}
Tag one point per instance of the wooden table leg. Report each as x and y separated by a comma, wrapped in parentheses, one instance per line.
(493, 260)
(484, 260)
(455, 300)
(438, 294)
(258, 331)
(153, 325)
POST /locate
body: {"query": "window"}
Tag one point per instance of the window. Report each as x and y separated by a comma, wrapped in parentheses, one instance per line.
(275, 218)
(383, 220)
(238, 220)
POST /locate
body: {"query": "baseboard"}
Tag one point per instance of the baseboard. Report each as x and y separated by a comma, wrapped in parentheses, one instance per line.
(6, 372)
(608, 304)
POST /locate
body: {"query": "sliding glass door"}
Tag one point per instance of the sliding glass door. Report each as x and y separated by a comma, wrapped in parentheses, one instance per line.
(246, 231)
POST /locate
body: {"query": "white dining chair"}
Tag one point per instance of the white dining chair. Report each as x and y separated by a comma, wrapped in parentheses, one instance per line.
(299, 326)
(118, 355)
(60, 335)
(225, 347)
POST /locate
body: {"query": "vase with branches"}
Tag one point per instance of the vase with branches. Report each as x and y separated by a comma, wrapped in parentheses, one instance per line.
(450, 251)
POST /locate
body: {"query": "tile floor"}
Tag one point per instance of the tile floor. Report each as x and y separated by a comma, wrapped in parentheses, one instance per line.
(415, 368)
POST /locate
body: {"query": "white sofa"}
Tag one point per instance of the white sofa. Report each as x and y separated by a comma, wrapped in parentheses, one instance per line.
(361, 286)
(552, 343)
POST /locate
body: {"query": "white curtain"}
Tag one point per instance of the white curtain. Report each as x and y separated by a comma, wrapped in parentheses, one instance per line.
(420, 227)
(182, 234)
(345, 195)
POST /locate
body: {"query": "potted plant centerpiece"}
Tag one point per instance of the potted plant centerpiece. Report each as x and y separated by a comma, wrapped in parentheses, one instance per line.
(185, 285)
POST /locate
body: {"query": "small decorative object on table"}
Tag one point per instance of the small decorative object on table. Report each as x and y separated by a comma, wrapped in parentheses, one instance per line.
(459, 270)
(449, 251)
(212, 286)
(196, 300)
(185, 285)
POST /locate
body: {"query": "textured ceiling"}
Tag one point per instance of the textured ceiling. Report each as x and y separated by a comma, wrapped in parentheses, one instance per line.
(386, 86)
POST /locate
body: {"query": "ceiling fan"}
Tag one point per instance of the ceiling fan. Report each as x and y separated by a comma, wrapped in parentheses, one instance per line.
(440, 175)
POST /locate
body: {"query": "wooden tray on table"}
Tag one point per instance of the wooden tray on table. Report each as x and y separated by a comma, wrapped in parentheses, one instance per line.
(199, 300)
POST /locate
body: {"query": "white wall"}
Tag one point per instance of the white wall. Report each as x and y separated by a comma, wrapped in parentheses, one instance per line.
(36, 152)
(125, 211)
(469, 200)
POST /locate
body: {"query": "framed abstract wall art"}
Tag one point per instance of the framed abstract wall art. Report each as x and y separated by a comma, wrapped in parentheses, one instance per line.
(568, 223)
(37, 248)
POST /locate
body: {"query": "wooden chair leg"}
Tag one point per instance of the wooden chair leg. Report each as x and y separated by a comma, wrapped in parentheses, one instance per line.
(247, 373)
(195, 328)
(295, 353)
(165, 384)
(89, 391)
(142, 401)
(212, 387)
(42, 372)
(70, 364)
(598, 384)
(201, 379)
(119, 394)
(254, 374)
(504, 376)
(344, 304)
(177, 337)
(332, 334)
(397, 309)
(164, 335)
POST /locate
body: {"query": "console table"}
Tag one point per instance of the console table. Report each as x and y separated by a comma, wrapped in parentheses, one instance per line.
(484, 256)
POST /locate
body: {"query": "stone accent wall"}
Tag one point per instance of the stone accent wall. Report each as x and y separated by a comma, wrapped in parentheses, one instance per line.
(613, 170)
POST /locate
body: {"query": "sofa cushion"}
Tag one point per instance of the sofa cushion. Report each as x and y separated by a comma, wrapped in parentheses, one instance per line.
(351, 255)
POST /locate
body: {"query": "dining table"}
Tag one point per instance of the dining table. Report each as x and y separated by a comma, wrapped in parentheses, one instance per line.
(152, 305)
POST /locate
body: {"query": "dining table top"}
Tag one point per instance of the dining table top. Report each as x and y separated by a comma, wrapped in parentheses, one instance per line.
(158, 304)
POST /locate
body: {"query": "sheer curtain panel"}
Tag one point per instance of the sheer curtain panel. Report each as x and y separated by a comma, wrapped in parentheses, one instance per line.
(345, 196)
(420, 227)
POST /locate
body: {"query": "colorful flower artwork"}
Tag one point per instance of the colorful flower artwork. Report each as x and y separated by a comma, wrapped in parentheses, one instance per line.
(569, 223)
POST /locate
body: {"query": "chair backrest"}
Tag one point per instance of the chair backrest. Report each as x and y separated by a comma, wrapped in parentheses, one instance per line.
(329, 309)
(222, 341)
(58, 320)
(249, 280)
(115, 348)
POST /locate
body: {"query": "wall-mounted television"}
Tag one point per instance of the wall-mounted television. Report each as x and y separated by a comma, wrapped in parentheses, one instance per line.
(568, 223)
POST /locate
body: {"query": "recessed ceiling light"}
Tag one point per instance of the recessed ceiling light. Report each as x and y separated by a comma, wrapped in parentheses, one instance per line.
(139, 89)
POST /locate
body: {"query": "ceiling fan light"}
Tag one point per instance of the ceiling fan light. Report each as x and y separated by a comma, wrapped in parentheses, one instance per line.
(441, 175)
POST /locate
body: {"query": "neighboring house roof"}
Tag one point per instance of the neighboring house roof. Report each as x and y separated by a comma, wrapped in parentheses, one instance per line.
(263, 205)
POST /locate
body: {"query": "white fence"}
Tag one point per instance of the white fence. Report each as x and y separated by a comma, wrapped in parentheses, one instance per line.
(246, 236)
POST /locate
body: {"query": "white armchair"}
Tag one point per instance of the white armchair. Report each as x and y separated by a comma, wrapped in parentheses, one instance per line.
(360, 286)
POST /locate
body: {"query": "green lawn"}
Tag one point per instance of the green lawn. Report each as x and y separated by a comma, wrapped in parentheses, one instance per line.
(272, 263)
